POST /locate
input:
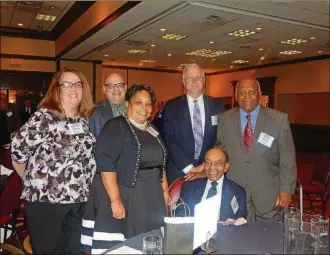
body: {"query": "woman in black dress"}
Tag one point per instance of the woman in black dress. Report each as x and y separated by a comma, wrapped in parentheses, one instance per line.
(130, 192)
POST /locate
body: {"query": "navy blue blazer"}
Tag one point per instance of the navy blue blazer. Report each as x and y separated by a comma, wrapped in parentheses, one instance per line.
(178, 134)
(192, 193)
(102, 113)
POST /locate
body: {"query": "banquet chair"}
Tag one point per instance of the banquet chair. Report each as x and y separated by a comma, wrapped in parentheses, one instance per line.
(326, 209)
(175, 189)
(10, 205)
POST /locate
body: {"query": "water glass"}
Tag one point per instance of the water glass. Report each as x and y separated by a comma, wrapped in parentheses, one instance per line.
(292, 209)
(211, 244)
(323, 223)
(152, 245)
(305, 241)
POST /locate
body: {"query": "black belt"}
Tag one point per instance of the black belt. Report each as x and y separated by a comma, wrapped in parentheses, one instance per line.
(149, 168)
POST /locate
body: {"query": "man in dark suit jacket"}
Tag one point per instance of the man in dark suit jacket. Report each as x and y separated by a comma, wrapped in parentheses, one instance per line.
(115, 89)
(26, 111)
(233, 198)
(190, 126)
(259, 143)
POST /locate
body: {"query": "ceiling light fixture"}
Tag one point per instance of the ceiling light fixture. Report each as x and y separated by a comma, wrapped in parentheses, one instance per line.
(147, 61)
(140, 64)
(45, 17)
(319, 51)
(106, 55)
(294, 41)
(312, 38)
(211, 42)
(290, 52)
(52, 7)
(136, 51)
(213, 59)
(163, 29)
(261, 49)
(259, 29)
(240, 61)
(231, 66)
(20, 24)
(262, 58)
(242, 33)
(208, 53)
(169, 54)
(153, 45)
(175, 37)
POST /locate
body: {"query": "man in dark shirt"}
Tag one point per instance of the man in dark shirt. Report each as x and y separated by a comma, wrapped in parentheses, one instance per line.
(114, 88)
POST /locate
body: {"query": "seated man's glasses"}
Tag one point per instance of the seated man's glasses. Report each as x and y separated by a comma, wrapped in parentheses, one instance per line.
(115, 85)
(216, 164)
(67, 84)
(194, 79)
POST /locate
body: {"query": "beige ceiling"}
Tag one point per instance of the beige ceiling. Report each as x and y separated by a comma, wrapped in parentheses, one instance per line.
(279, 20)
(14, 13)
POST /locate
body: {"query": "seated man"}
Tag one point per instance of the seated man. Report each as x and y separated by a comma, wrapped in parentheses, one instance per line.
(233, 197)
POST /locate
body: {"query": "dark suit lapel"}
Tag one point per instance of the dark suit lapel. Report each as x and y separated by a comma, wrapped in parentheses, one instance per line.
(208, 123)
(187, 125)
(237, 127)
(225, 196)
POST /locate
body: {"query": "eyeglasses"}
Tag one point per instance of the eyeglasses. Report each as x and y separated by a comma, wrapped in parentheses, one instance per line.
(214, 163)
(114, 85)
(67, 84)
(244, 92)
(193, 79)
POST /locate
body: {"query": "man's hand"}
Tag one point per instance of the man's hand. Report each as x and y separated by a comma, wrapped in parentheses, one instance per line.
(167, 198)
(283, 199)
(194, 175)
(197, 169)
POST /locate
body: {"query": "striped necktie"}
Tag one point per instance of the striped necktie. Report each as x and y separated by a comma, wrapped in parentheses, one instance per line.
(197, 129)
(248, 133)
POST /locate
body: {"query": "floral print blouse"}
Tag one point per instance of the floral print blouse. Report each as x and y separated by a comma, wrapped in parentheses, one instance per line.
(60, 158)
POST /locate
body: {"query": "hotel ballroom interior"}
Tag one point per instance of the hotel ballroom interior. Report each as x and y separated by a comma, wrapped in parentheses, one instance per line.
(283, 44)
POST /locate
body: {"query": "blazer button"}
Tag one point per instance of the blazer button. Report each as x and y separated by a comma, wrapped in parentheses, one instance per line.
(247, 162)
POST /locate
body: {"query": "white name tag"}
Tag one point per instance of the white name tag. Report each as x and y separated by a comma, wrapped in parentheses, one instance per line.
(152, 131)
(265, 139)
(76, 128)
(234, 205)
(214, 120)
(9, 114)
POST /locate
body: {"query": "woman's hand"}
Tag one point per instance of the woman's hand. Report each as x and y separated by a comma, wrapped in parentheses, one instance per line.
(167, 198)
(118, 210)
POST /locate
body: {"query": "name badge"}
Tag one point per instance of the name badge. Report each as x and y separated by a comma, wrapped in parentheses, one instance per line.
(214, 120)
(9, 114)
(265, 139)
(234, 205)
(76, 128)
(152, 131)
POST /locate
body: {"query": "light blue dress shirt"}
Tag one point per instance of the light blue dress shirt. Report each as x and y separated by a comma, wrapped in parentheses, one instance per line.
(254, 116)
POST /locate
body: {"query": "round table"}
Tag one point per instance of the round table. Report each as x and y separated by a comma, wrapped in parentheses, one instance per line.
(250, 238)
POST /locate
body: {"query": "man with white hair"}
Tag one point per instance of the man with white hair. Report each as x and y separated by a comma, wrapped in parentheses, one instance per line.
(114, 88)
(190, 126)
(259, 143)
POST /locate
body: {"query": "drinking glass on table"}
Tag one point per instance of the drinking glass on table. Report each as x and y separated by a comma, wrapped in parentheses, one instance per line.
(306, 239)
(211, 244)
(152, 245)
(323, 223)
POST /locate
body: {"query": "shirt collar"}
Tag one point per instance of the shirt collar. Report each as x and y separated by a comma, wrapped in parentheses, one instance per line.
(191, 100)
(254, 113)
(220, 181)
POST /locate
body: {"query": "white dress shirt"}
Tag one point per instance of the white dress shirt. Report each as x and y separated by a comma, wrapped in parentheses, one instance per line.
(191, 104)
(209, 185)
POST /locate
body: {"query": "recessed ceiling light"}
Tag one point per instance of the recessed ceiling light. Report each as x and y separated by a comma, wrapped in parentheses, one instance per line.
(211, 42)
(259, 28)
(290, 52)
(52, 7)
(294, 41)
(240, 61)
(213, 59)
(136, 51)
(169, 54)
(163, 29)
(147, 61)
(173, 37)
(20, 24)
(153, 45)
(262, 58)
(231, 66)
(261, 49)
(140, 64)
(319, 51)
(208, 53)
(106, 55)
(45, 17)
(312, 38)
(242, 33)
(180, 67)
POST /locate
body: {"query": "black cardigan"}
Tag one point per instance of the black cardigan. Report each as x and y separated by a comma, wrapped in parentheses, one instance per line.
(118, 150)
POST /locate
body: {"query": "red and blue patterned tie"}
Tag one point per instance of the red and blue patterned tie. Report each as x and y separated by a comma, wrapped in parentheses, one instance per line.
(248, 134)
